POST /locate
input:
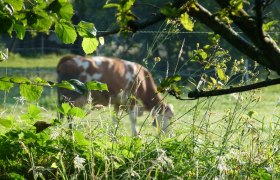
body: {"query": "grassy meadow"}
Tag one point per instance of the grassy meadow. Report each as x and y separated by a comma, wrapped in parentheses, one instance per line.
(227, 137)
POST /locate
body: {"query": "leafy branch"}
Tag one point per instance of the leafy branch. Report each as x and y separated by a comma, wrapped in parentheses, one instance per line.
(32, 90)
(42, 16)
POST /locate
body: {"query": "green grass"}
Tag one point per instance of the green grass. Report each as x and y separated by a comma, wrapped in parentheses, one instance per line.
(226, 137)
(38, 61)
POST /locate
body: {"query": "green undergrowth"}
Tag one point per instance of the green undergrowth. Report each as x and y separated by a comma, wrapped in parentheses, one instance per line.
(229, 137)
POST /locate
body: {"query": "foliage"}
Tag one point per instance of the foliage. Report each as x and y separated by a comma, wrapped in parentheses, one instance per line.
(238, 144)
(124, 15)
(32, 90)
(227, 20)
(41, 16)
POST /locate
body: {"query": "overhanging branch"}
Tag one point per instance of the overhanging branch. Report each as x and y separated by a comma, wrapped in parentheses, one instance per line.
(137, 25)
(248, 25)
(211, 21)
(207, 18)
(198, 94)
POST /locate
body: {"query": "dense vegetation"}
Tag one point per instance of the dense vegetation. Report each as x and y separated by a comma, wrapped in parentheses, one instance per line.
(240, 140)
(230, 137)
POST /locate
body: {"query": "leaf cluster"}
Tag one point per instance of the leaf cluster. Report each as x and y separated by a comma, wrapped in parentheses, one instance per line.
(124, 13)
(42, 16)
(32, 90)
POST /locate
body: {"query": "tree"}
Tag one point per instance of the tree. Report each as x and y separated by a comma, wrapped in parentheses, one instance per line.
(226, 19)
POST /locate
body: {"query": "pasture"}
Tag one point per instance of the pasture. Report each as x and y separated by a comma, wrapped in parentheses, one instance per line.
(227, 137)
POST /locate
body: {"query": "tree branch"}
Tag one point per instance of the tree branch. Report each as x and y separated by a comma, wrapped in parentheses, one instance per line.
(268, 56)
(198, 94)
(137, 25)
(269, 48)
(230, 35)
(259, 22)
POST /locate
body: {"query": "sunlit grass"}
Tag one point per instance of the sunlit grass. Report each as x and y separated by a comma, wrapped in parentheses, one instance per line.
(37, 61)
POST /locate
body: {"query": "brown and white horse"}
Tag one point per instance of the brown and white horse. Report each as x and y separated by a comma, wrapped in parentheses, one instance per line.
(128, 83)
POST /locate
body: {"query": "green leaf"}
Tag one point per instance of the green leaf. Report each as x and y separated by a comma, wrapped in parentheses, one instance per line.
(176, 78)
(16, 176)
(16, 4)
(43, 21)
(32, 113)
(110, 5)
(236, 4)
(54, 165)
(31, 92)
(128, 4)
(207, 46)
(252, 113)
(66, 32)
(202, 54)
(5, 83)
(221, 73)
(63, 9)
(213, 80)
(66, 11)
(80, 139)
(96, 86)
(77, 112)
(54, 7)
(65, 84)
(6, 122)
(20, 79)
(42, 82)
(89, 45)
(78, 85)
(187, 22)
(20, 30)
(6, 86)
(64, 108)
(33, 110)
(268, 25)
(86, 29)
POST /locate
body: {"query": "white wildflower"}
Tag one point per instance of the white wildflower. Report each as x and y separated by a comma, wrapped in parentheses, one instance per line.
(54, 134)
(164, 160)
(79, 163)
(269, 169)
(237, 96)
(221, 164)
(20, 100)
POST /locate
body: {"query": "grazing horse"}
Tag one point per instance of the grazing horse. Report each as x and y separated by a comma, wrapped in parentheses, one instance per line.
(129, 85)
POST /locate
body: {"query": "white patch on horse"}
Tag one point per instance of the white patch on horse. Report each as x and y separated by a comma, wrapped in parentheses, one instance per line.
(80, 63)
(129, 76)
(96, 76)
(98, 61)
